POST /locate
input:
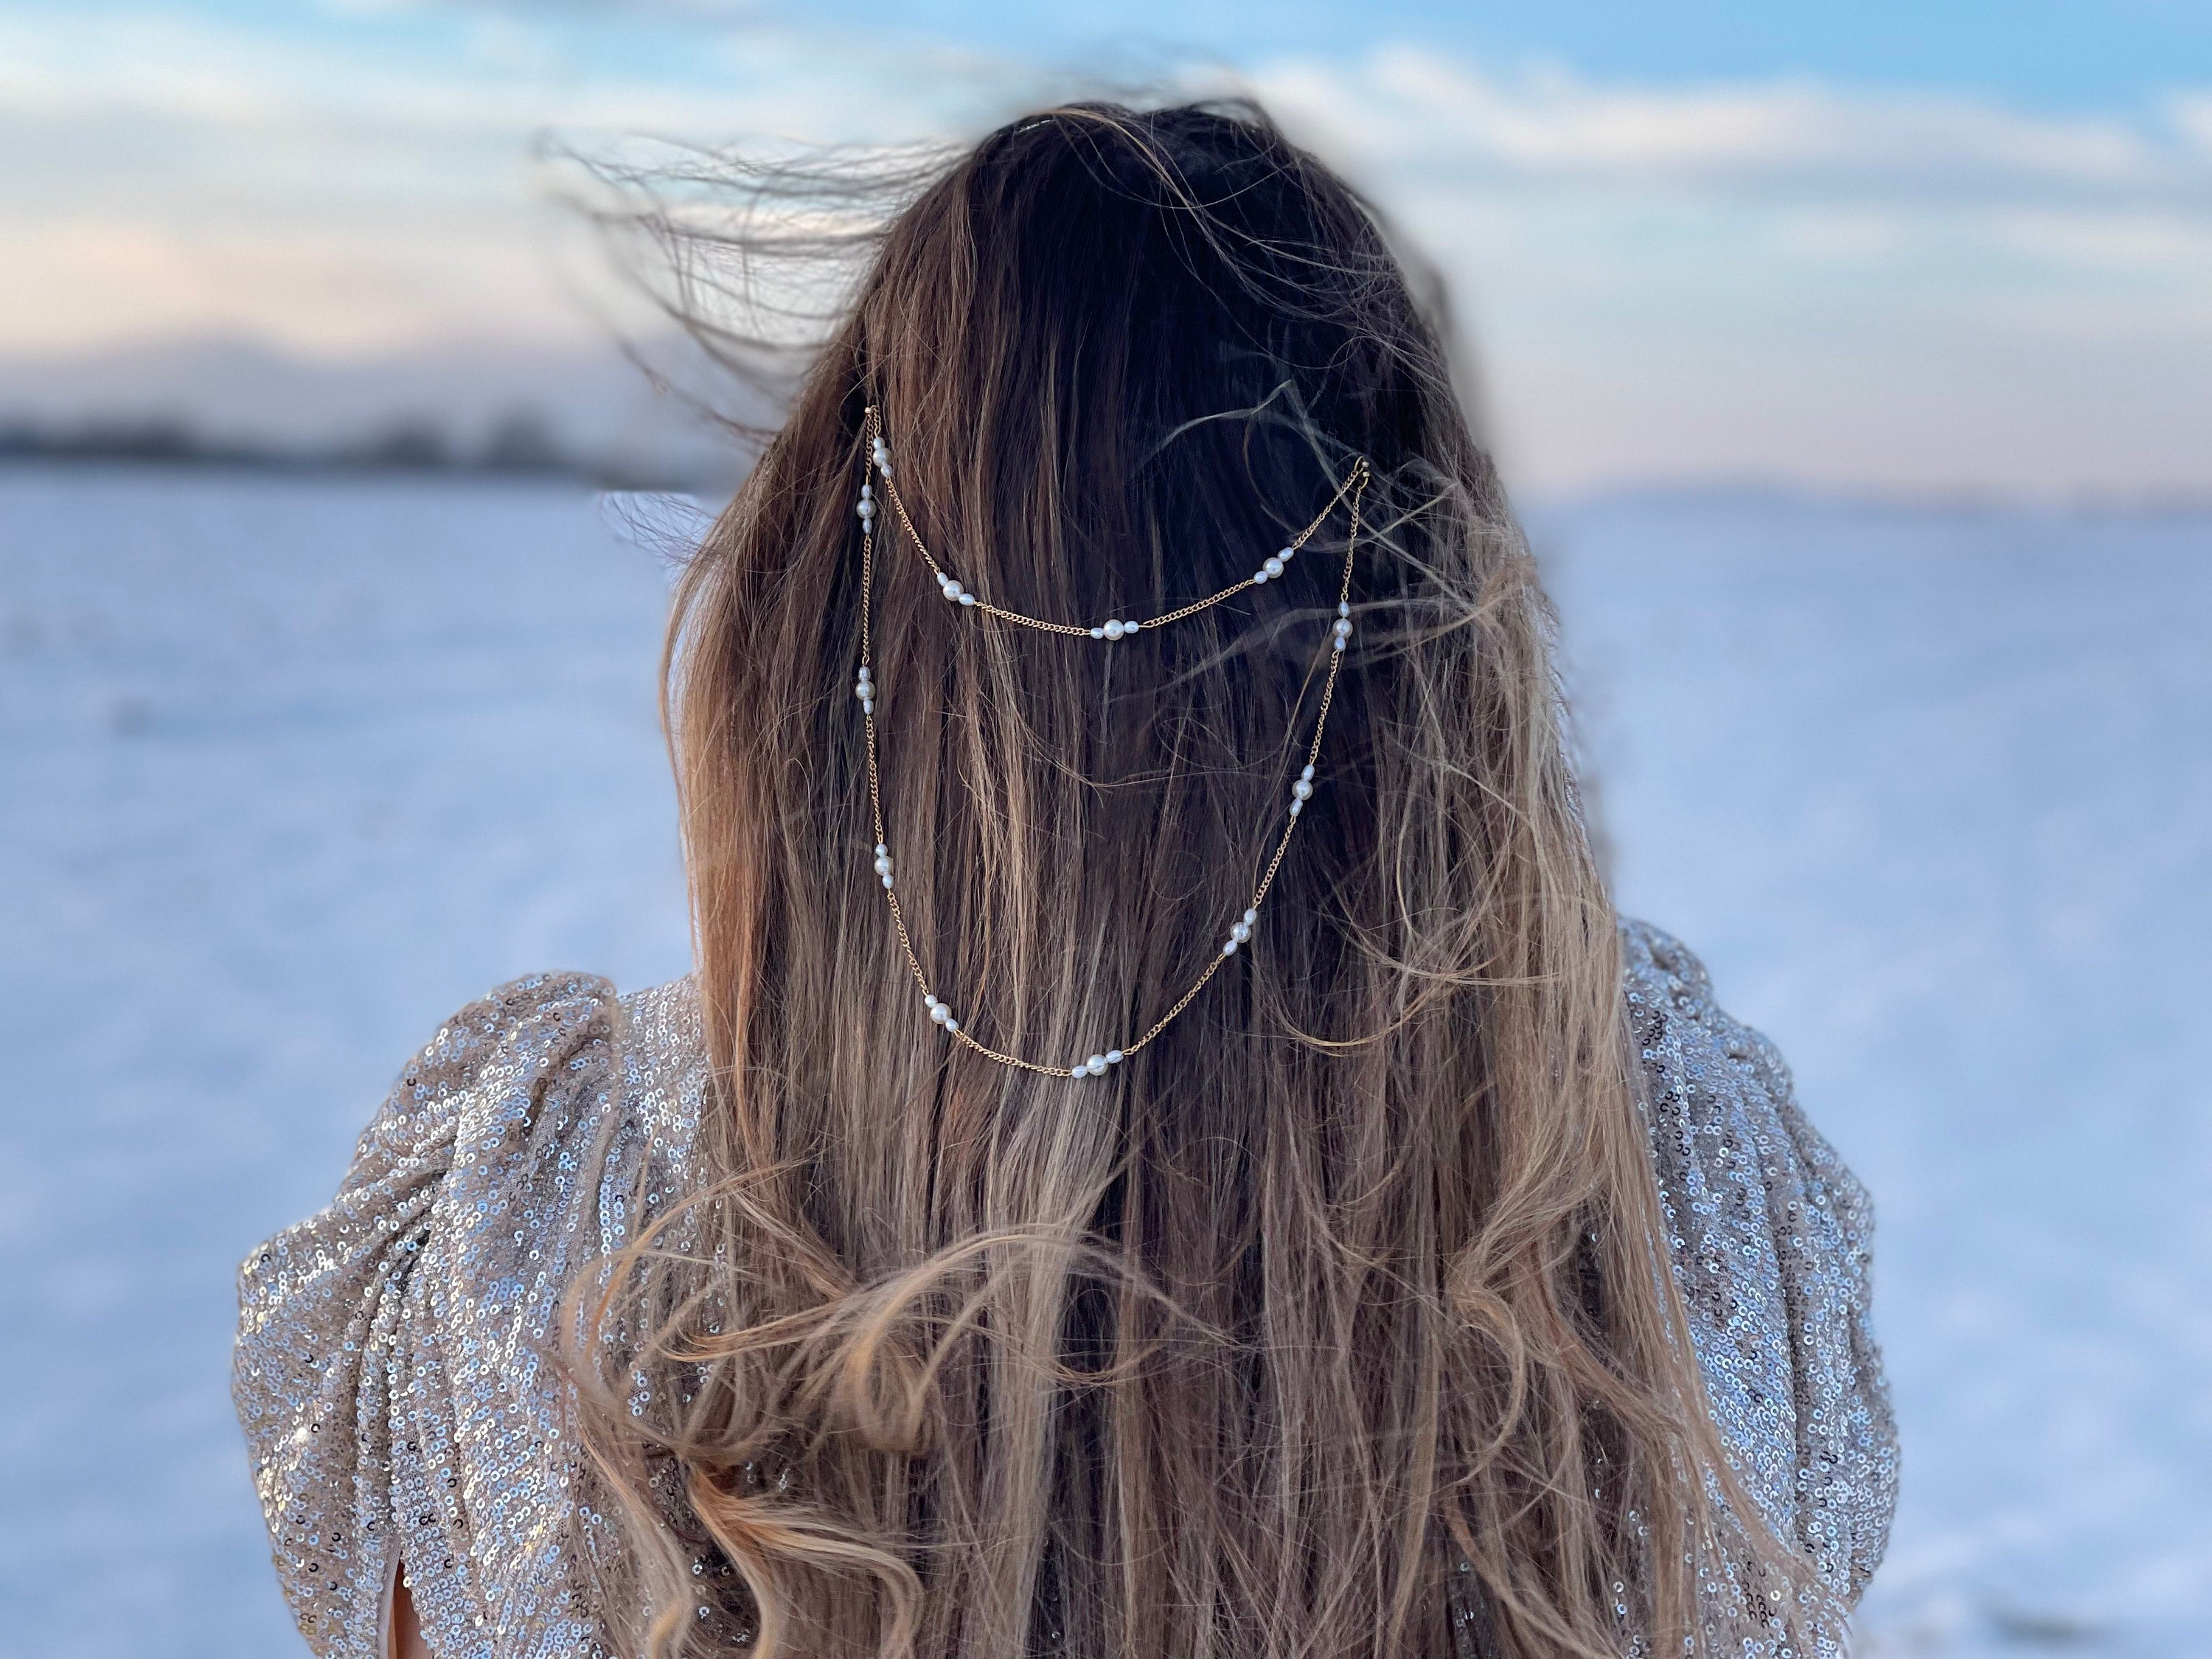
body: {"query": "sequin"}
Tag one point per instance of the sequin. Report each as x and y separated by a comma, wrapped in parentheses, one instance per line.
(389, 1368)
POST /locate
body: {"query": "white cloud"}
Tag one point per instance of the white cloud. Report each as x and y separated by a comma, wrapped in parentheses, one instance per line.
(2192, 113)
(1838, 284)
(1403, 107)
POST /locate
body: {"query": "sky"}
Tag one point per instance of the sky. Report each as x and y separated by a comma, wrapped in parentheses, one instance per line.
(1950, 245)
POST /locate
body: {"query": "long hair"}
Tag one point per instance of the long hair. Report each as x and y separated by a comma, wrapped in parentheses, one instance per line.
(1337, 1322)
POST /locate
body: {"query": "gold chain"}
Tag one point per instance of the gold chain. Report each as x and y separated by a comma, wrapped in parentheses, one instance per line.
(1355, 484)
(1272, 568)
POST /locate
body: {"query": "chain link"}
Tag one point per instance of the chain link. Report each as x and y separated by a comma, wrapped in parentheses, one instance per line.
(1355, 484)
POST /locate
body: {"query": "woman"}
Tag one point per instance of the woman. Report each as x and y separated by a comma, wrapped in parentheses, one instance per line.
(1167, 1150)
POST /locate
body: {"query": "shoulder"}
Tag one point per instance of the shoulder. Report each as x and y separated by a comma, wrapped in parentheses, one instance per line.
(1770, 1237)
(1713, 1084)
(533, 1134)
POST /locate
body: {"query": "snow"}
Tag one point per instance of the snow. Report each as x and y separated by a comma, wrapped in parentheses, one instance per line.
(289, 769)
(1931, 793)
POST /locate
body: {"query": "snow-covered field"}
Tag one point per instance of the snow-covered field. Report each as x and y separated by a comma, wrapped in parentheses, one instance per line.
(289, 769)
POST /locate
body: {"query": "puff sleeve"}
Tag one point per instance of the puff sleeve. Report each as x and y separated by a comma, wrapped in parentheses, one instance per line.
(1770, 1237)
(389, 1371)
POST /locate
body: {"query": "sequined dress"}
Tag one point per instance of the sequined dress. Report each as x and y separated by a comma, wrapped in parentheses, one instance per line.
(389, 1373)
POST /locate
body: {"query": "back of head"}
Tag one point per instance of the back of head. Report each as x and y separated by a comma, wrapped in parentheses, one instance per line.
(1351, 1273)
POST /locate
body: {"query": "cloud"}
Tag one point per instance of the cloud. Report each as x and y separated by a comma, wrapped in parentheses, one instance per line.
(1834, 282)
(1793, 275)
(1407, 107)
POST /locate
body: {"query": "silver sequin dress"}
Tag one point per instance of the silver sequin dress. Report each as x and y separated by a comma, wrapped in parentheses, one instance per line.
(388, 1369)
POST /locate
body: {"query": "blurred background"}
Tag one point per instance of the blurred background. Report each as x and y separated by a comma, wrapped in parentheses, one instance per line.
(1852, 365)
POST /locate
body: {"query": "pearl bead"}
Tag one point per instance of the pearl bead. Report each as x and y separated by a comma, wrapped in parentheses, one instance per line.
(1228, 949)
(1251, 917)
(951, 1025)
(929, 1000)
(882, 851)
(1336, 645)
(1288, 554)
(1098, 633)
(1307, 774)
(1113, 630)
(1343, 629)
(1241, 932)
(1273, 567)
(1344, 607)
(1078, 1070)
(1259, 576)
(952, 590)
(1297, 807)
(939, 1011)
(1096, 1066)
(967, 599)
(1112, 1056)
(887, 881)
(1302, 789)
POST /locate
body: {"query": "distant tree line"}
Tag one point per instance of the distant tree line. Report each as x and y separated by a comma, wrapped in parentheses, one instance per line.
(522, 444)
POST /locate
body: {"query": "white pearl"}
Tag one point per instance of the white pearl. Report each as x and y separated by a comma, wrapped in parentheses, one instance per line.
(1343, 629)
(1251, 917)
(1297, 807)
(1302, 789)
(1273, 567)
(1230, 949)
(952, 590)
(951, 1025)
(929, 1000)
(887, 883)
(939, 1011)
(967, 599)
(882, 851)
(1098, 633)
(1288, 554)
(867, 490)
(1113, 630)
(882, 866)
(1307, 774)
(1078, 1070)
(1112, 1056)
(1096, 1066)
(1336, 645)
(1241, 932)
(1259, 576)
(1344, 607)
(866, 510)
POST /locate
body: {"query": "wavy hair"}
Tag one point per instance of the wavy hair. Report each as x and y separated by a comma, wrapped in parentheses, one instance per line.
(1338, 1321)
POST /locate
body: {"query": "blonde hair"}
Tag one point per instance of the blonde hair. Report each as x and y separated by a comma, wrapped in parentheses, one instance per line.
(1357, 1273)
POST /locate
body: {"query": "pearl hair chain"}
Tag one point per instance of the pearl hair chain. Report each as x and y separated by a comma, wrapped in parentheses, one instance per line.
(866, 690)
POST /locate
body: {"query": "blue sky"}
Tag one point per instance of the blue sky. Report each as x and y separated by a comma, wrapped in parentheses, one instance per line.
(1956, 244)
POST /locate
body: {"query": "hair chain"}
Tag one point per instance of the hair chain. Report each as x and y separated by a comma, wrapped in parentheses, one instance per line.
(866, 689)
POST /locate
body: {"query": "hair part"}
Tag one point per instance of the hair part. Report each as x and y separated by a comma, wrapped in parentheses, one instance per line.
(1354, 1275)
